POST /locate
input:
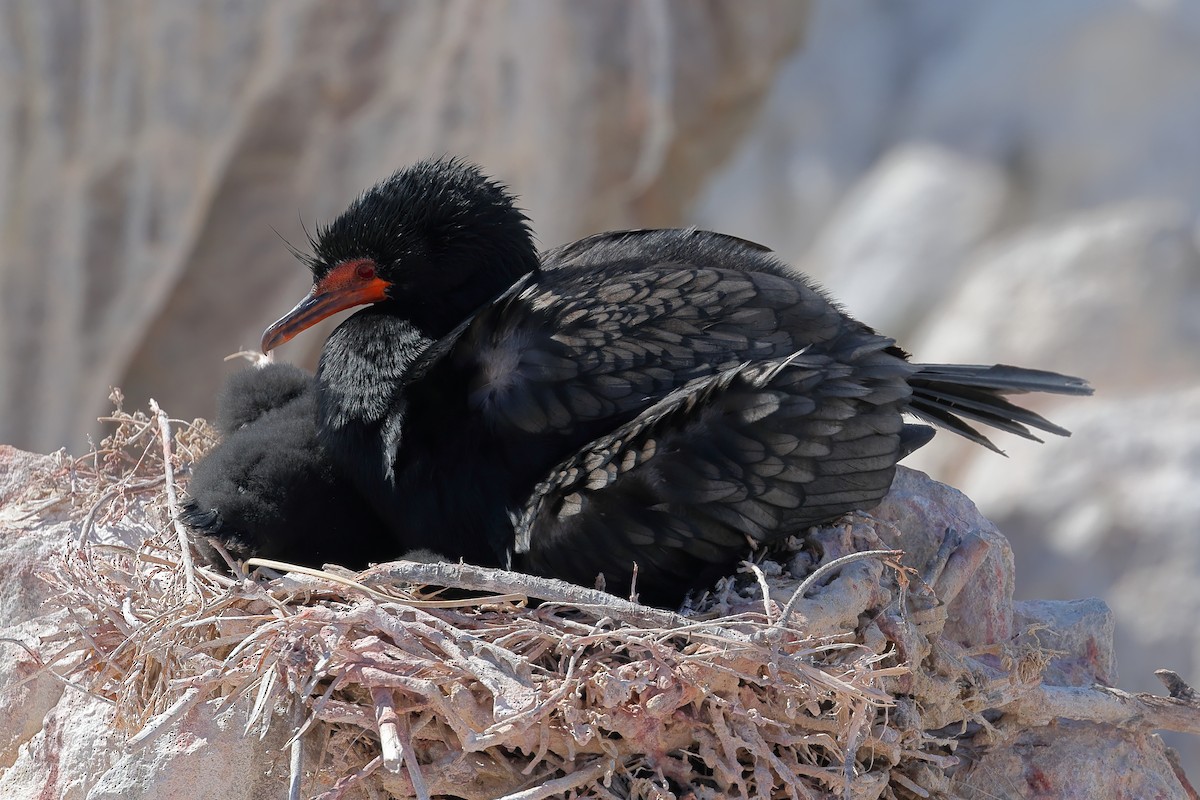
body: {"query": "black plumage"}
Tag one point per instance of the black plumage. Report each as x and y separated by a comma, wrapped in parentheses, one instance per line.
(658, 397)
(269, 489)
(248, 394)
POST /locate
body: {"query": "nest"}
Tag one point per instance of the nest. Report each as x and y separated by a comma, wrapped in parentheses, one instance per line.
(527, 688)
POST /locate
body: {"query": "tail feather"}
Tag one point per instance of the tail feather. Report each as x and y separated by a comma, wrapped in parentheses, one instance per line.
(989, 408)
(946, 393)
(944, 419)
(1008, 379)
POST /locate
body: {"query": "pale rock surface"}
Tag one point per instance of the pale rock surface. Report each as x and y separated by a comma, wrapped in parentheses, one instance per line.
(28, 540)
(1086, 102)
(925, 511)
(76, 755)
(1074, 761)
(893, 246)
(1110, 294)
(155, 148)
(57, 741)
(207, 756)
(1113, 511)
(1081, 630)
(829, 116)
(25, 543)
(72, 747)
(1079, 103)
(27, 691)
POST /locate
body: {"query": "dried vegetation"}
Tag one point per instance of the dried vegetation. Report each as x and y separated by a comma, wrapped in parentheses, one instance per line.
(790, 680)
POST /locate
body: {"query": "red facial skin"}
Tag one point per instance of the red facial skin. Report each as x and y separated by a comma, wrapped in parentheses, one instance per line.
(349, 284)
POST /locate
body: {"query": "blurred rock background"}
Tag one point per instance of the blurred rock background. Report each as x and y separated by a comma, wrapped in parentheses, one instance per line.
(986, 181)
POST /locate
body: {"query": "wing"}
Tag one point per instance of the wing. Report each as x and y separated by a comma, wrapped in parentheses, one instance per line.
(607, 246)
(750, 454)
(599, 334)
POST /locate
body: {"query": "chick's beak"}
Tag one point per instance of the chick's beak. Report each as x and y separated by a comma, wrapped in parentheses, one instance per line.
(349, 284)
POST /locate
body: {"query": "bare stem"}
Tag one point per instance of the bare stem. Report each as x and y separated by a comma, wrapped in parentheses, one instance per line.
(185, 546)
(296, 760)
(565, 783)
(1101, 704)
(489, 579)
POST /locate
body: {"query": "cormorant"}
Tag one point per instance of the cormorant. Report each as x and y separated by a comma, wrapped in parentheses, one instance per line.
(648, 397)
(269, 489)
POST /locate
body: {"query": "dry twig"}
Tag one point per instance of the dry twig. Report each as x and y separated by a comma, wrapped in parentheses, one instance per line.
(185, 548)
(1041, 705)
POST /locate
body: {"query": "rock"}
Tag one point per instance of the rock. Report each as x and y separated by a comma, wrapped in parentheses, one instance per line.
(1058, 297)
(1079, 104)
(18, 473)
(148, 167)
(1140, 459)
(74, 745)
(891, 250)
(1073, 761)
(27, 691)
(57, 741)
(829, 116)
(206, 755)
(1112, 511)
(924, 511)
(26, 542)
(1079, 632)
(1086, 101)
(1109, 512)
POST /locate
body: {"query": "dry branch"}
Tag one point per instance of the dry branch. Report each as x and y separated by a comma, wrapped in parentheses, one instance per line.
(185, 550)
(1143, 711)
(486, 579)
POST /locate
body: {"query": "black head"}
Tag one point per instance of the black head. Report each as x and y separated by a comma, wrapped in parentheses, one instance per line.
(430, 244)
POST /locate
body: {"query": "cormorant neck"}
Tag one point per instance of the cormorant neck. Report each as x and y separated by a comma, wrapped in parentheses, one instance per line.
(362, 366)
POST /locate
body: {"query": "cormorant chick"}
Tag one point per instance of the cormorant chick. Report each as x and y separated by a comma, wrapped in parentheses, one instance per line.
(269, 489)
(250, 393)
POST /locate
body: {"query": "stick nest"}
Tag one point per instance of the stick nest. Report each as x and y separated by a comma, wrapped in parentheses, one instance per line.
(382, 684)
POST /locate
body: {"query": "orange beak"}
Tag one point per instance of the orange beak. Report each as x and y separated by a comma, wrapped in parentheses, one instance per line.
(349, 284)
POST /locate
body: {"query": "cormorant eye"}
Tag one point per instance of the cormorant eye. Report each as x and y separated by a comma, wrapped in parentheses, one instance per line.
(366, 271)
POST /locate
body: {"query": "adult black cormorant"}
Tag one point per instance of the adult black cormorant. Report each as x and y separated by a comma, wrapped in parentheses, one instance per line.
(648, 397)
